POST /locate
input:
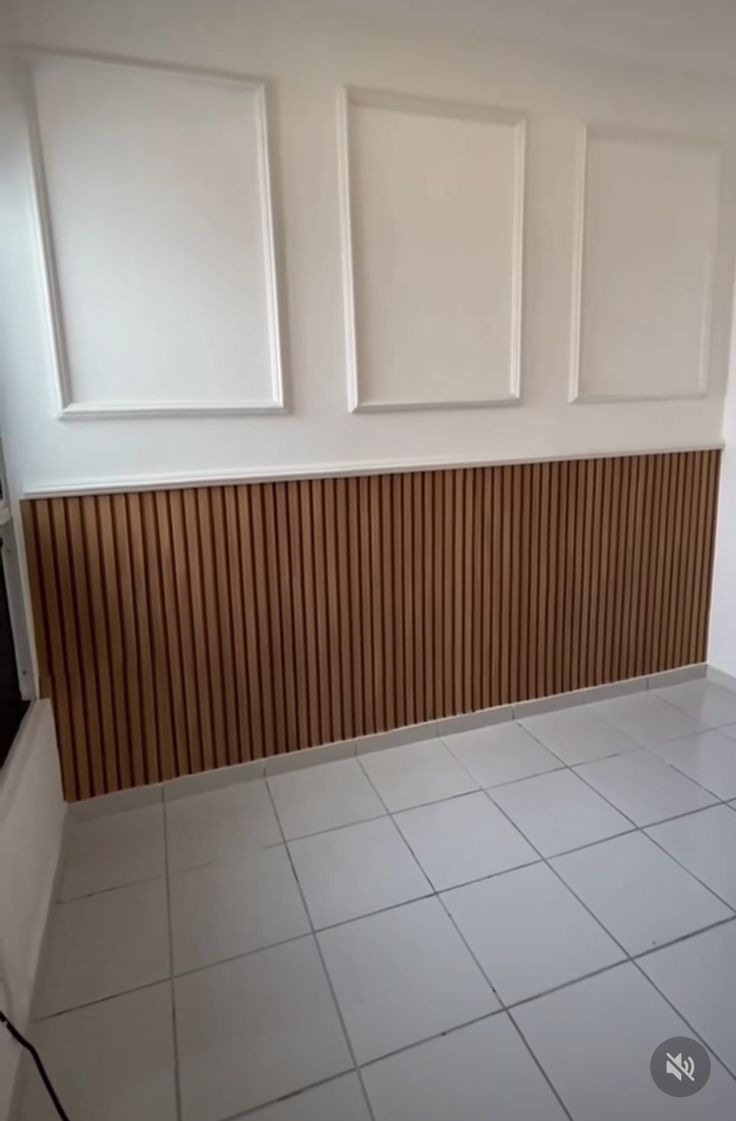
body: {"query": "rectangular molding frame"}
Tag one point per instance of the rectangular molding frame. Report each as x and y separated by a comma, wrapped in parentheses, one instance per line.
(180, 631)
(351, 95)
(66, 407)
(630, 132)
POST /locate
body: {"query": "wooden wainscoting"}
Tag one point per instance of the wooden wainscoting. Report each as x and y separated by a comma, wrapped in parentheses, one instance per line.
(179, 630)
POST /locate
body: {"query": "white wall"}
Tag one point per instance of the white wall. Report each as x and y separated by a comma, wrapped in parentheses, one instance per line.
(722, 636)
(165, 282)
(31, 821)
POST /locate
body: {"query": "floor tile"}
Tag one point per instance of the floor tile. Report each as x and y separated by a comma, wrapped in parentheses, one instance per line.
(557, 811)
(640, 895)
(323, 797)
(403, 976)
(112, 850)
(647, 718)
(529, 932)
(701, 842)
(703, 700)
(220, 910)
(482, 1072)
(709, 759)
(415, 773)
(254, 1029)
(341, 1099)
(112, 1061)
(500, 753)
(463, 839)
(219, 825)
(104, 944)
(699, 977)
(643, 787)
(352, 871)
(595, 1040)
(578, 735)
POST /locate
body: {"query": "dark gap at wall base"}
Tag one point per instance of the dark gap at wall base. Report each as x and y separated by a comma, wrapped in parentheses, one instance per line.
(180, 630)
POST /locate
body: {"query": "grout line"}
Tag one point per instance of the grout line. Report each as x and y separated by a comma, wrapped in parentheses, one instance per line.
(626, 959)
(489, 982)
(320, 832)
(289, 1097)
(640, 829)
(325, 970)
(538, 1063)
(500, 1011)
(629, 958)
(170, 930)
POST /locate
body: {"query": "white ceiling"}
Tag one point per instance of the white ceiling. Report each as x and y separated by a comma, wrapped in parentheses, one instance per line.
(695, 34)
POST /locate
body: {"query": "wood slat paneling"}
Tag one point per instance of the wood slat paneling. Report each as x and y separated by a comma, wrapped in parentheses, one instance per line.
(188, 629)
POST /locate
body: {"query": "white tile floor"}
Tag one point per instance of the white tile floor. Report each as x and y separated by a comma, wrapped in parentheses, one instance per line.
(499, 924)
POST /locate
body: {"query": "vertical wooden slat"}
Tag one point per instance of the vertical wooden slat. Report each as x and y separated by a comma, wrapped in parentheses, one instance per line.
(165, 761)
(359, 642)
(185, 629)
(111, 603)
(269, 554)
(486, 646)
(543, 673)
(259, 636)
(88, 665)
(506, 586)
(296, 592)
(131, 643)
(709, 545)
(248, 689)
(75, 673)
(701, 506)
(236, 748)
(562, 580)
(179, 644)
(435, 591)
(475, 607)
(524, 500)
(141, 577)
(399, 587)
(387, 597)
(410, 620)
(213, 629)
(346, 641)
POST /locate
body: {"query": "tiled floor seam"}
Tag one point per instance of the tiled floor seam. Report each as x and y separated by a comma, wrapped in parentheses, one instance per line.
(632, 958)
(170, 930)
(641, 829)
(628, 957)
(483, 973)
(288, 1097)
(625, 952)
(325, 970)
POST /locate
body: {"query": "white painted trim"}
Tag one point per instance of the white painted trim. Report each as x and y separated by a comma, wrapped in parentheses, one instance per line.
(175, 480)
(66, 407)
(643, 136)
(351, 95)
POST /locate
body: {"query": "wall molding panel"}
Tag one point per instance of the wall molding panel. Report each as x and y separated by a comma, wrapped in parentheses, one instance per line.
(432, 279)
(188, 105)
(181, 630)
(646, 237)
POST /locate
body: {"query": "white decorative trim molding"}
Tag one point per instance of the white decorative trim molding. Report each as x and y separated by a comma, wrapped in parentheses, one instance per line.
(427, 106)
(174, 480)
(67, 408)
(643, 136)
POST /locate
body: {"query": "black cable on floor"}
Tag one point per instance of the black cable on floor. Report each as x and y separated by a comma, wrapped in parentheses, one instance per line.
(39, 1064)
